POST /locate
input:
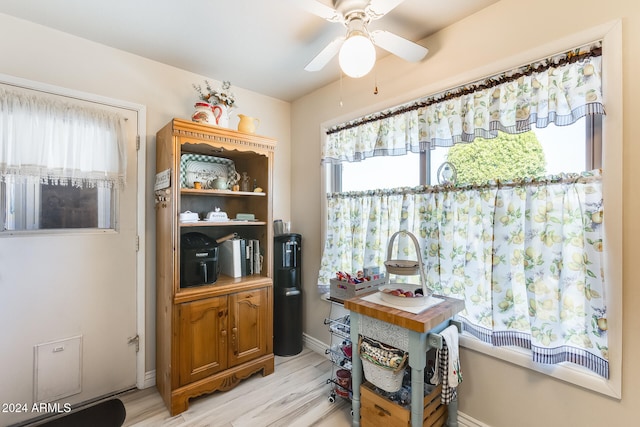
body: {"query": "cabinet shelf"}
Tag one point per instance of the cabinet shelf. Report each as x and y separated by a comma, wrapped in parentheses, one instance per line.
(223, 285)
(223, 193)
(222, 223)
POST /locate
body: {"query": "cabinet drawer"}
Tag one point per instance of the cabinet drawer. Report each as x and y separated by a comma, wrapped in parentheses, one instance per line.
(377, 411)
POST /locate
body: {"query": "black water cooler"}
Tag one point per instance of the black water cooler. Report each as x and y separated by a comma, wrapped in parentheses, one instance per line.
(287, 304)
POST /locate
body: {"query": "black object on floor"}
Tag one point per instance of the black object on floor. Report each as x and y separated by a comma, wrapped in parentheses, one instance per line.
(287, 294)
(110, 413)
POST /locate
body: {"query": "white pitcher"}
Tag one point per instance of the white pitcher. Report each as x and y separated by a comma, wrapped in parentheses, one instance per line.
(206, 113)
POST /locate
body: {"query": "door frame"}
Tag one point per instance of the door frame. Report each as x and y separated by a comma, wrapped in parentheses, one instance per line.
(142, 380)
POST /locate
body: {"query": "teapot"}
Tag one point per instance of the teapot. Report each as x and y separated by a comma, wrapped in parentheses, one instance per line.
(206, 113)
(224, 183)
(218, 183)
(248, 124)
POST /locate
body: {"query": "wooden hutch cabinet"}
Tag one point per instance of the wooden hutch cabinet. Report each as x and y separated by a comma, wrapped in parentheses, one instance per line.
(212, 336)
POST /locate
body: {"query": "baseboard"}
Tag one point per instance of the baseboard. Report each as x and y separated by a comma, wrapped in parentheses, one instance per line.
(320, 347)
(315, 344)
(466, 421)
(149, 379)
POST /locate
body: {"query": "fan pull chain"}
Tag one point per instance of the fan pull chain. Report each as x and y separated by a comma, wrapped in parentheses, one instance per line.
(340, 89)
(375, 81)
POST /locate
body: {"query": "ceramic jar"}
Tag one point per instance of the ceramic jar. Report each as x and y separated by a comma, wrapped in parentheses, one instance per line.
(207, 113)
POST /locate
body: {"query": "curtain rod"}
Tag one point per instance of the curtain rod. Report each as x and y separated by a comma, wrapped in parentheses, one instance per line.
(569, 178)
(486, 83)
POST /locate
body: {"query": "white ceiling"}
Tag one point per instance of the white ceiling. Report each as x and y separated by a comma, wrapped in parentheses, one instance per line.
(259, 45)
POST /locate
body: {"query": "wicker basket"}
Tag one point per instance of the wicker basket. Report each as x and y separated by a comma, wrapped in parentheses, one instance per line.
(383, 365)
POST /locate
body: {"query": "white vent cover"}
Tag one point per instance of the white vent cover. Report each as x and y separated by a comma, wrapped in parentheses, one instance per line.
(57, 369)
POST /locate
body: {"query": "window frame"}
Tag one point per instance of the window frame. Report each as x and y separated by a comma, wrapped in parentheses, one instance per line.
(593, 156)
(106, 206)
(33, 190)
(611, 161)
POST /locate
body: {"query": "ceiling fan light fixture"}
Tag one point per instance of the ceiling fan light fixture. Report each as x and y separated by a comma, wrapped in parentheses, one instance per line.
(357, 55)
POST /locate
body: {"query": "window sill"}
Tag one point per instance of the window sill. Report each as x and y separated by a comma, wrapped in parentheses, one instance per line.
(567, 372)
(57, 232)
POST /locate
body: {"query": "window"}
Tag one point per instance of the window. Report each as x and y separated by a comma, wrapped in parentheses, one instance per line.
(61, 162)
(381, 172)
(595, 155)
(560, 147)
(31, 205)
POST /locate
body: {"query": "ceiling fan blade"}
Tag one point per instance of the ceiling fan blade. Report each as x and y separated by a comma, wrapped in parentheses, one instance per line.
(378, 8)
(322, 10)
(325, 55)
(399, 46)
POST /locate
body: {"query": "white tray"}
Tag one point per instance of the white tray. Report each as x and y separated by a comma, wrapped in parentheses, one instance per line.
(377, 299)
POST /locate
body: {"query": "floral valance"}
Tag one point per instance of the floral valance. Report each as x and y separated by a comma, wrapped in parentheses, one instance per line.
(559, 90)
(59, 143)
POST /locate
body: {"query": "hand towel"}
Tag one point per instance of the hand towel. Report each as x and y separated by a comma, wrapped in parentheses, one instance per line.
(447, 369)
(450, 336)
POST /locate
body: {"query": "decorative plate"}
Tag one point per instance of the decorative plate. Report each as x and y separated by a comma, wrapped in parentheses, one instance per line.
(447, 174)
(198, 167)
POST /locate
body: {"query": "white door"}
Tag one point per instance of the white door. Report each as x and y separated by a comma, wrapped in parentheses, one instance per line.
(56, 286)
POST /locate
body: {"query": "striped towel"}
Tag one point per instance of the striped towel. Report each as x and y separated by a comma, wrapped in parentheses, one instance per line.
(447, 368)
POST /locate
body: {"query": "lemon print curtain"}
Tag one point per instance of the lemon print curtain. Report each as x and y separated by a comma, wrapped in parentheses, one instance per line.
(526, 257)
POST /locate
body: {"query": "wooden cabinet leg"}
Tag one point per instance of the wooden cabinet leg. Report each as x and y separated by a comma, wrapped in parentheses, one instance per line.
(179, 404)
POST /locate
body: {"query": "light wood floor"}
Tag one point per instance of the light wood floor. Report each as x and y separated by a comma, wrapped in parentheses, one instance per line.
(296, 394)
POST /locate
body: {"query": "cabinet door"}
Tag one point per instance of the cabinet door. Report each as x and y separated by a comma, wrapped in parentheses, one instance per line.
(250, 316)
(203, 338)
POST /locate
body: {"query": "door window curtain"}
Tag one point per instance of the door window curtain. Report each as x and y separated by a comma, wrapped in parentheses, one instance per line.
(526, 257)
(59, 143)
(559, 90)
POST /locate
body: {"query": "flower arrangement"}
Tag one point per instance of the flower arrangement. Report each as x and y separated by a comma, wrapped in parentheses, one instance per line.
(212, 96)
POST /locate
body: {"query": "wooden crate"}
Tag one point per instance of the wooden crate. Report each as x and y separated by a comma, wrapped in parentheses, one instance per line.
(377, 411)
(341, 291)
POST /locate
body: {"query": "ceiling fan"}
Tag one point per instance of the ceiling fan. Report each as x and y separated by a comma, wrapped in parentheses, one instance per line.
(356, 48)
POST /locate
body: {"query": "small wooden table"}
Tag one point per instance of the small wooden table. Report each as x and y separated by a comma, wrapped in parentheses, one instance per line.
(396, 322)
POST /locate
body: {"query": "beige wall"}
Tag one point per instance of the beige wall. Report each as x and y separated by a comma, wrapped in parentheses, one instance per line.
(493, 392)
(43, 55)
(479, 45)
